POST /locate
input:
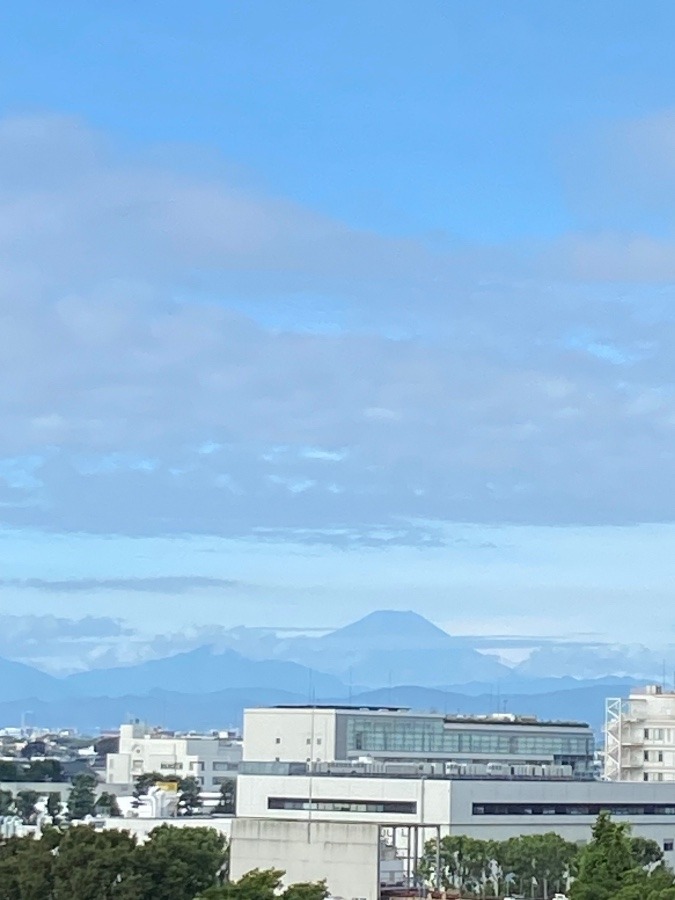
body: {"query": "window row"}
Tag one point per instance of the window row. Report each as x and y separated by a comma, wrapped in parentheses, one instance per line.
(572, 809)
(359, 806)
(397, 736)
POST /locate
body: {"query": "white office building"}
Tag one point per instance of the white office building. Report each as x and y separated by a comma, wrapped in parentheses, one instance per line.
(328, 734)
(208, 758)
(640, 736)
(310, 820)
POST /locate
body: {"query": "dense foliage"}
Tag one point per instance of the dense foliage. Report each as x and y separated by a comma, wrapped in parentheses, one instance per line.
(614, 866)
(36, 770)
(82, 798)
(173, 864)
(543, 864)
(266, 885)
(24, 805)
(80, 863)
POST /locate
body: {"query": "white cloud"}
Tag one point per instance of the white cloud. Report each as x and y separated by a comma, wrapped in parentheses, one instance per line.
(144, 390)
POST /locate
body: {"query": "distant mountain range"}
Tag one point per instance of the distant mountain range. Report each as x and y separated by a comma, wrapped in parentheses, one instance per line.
(386, 658)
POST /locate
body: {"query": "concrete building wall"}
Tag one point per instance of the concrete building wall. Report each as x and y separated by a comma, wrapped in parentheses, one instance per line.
(640, 740)
(415, 800)
(481, 808)
(289, 735)
(142, 827)
(345, 854)
(466, 796)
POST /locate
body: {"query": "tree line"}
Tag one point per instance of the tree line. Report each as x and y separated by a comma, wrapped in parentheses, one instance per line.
(35, 770)
(613, 866)
(82, 800)
(80, 863)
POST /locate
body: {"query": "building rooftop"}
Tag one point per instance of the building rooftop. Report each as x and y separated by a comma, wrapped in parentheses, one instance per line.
(499, 719)
(505, 719)
(343, 707)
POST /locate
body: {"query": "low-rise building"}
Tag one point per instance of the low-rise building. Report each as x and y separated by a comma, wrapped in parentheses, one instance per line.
(208, 758)
(494, 809)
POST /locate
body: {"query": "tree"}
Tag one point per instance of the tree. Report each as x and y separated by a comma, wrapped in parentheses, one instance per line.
(177, 863)
(6, 803)
(612, 867)
(465, 863)
(482, 867)
(82, 801)
(25, 805)
(306, 890)
(33, 748)
(144, 782)
(106, 745)
(542, 860)
(26, 868)
(9, 771)
(107, 805)
(44, 770)
(227, 802)
(259, 884)
(94, 865)
(265, 884)
(190, 796)
(645, 852)
(54, 807)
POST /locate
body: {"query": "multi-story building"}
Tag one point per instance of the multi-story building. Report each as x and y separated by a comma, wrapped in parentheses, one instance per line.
(326, 734)
(208, 758)
(640, 736)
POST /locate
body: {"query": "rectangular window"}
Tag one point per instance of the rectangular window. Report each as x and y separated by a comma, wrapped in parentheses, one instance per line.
(645, 776)
(646, 734)
(572, 809)
(668, 845)
(277, 740)
(660, 756)
(171, 765)
(646, 755)
(400, 807)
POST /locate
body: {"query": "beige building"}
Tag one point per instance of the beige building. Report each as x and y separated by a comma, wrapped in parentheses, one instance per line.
(321, 734)
(640, 736)
(208, 758)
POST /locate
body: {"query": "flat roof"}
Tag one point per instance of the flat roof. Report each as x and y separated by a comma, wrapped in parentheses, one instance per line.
(490, 719)
(517, 721)
(340, 707)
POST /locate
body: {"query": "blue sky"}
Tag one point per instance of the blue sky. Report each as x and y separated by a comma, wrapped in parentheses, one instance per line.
(314, 308)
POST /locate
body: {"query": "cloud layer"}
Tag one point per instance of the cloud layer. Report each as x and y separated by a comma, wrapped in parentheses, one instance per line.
(181, 355)
(160, 584)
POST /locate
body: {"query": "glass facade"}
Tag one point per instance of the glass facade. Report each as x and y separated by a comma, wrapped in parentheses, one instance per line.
(433, 736)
